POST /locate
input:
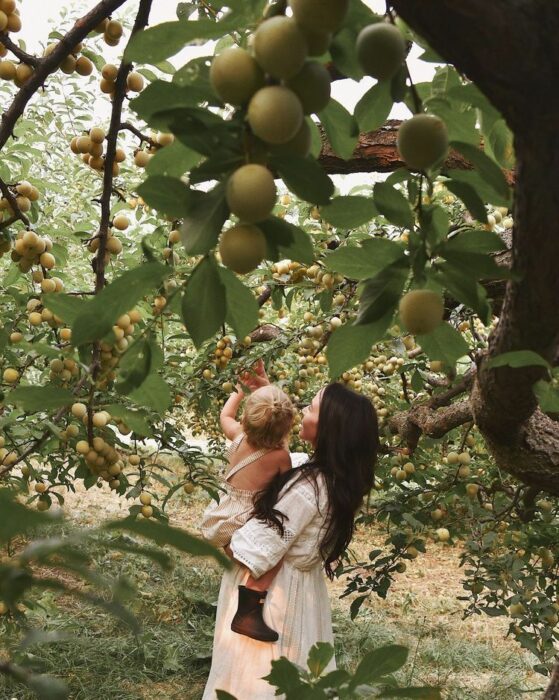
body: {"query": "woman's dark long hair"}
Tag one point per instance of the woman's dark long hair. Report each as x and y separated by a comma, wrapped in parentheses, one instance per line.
(345, 454)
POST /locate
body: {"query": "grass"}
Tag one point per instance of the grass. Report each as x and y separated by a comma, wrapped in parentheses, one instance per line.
(103, 660)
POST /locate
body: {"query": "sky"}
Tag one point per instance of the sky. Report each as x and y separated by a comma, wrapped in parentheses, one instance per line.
(39, 15)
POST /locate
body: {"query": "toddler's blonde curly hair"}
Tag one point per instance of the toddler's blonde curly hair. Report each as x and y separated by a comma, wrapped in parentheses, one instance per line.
(268, 417)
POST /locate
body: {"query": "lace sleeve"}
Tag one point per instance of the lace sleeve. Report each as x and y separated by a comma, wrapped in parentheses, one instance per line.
(260, 546)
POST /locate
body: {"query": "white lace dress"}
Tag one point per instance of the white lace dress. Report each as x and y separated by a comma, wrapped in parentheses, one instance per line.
(297, 605)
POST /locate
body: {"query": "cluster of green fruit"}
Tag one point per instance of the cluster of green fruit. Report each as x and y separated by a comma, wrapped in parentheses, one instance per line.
(142, 156)
(24, 193)
(73, 62)
(113, 246)
(90, 147)
(111, 29)
(109, 72)
(10, 21)
(111, 350)
(31, 249)
(278, 86)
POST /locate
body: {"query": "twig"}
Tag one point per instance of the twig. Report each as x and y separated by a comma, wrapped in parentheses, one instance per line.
(143, 138)
(18, 52)
(18, 214)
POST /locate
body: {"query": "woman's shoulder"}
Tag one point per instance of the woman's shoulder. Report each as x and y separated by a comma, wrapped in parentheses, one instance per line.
(308, 484)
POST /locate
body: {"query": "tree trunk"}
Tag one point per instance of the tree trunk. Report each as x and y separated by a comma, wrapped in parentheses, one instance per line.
(515, 74)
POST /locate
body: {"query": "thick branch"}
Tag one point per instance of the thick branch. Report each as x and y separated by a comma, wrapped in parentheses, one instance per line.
(377, 152)
(432, 422)
(50, 64)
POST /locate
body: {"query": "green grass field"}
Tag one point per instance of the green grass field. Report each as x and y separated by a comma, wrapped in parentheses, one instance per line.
(102, 660)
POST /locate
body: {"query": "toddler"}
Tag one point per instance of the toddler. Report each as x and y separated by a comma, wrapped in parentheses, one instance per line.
(258, 453)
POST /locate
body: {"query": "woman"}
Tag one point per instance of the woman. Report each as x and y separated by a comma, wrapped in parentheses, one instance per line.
(305, 519)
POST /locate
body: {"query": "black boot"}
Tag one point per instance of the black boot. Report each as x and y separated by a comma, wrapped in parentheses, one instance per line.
(248, 619)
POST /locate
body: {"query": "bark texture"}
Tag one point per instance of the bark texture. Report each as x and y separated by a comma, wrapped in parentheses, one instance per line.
(515, 73)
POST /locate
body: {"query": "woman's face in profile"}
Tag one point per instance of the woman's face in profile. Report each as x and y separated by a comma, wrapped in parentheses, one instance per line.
(309, 424)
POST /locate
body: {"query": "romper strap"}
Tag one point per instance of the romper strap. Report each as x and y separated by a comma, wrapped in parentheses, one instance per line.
(246, 461)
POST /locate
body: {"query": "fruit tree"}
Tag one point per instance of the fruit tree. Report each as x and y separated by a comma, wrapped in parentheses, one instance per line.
(200, 217)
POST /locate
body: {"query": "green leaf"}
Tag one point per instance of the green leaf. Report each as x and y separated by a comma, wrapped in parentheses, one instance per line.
(204, 302)
(284, 675)
(67, 307)
(135, 365)
(242, 307)
(40, 398)
(518, 358)
(373, 108)
(458, 280)
(163, 95)
(202, 225)
(154, 44)
(484, 191)
(305, 177)
(367, 260)
(501, 142)
(168, 195)
(379, 663)
(487, 168)
(547, 395)
(475, 241)
(116, 299)
(469, 197)
(444, 343)
(320, 655)
(434, 221)
(392, 204)
(153, 392)
(46, 687)
(224, 695)
(349, 345)
(18, 520)
(173, 161)
(137, 420)
(381, 294)
(163, 534)
(341, 128)
(285, 240)
(349, 212)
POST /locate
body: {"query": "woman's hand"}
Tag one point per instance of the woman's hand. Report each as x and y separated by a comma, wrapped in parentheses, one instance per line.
(256, 377)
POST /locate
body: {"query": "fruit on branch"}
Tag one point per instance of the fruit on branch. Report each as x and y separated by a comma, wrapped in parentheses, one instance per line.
(84, 66)
(275, 114)
(280, 47)
(421, 311)
(135, 82)
(381, 50)
(235, 76)
(23, 73)
(442, 534)
(7, 70)
(121, 222)
(242, 248)
(142, 158)
(10, 375)
(251, 193)
(97, 135)
(422, 141)
(68, 65)
(299, 145)
(317, 42)
(312, 85)
(320, 15)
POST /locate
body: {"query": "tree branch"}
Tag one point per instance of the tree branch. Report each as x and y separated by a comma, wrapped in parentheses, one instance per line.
(18, 52)
(142, 19)
(18, 214)
(143, 138)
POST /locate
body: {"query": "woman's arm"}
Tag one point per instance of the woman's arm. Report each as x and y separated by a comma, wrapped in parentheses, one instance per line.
(260, 546)
(228, 416)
